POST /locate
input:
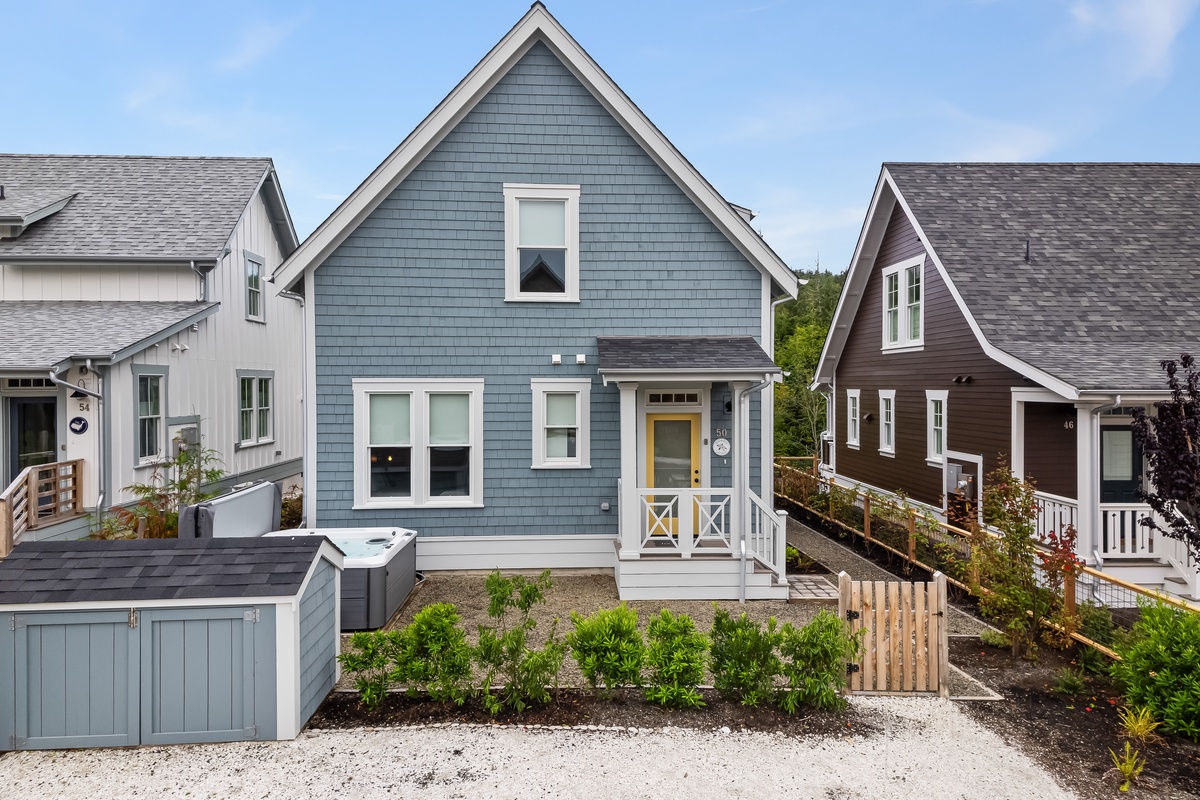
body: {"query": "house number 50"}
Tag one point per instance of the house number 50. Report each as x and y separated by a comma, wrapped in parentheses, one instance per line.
(721, 432)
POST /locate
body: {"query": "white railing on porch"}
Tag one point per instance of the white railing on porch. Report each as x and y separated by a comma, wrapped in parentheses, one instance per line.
(1055, 513)
(766, 535)
(703, 516)
(1122, 534)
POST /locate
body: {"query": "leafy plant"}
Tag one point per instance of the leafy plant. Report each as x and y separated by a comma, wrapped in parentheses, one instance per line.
(291, 508)
(1138, 724)
(370, 658)
(608, 647)
(813, 663)
(432, 655)
(1069, 681)
(675, 656)
(1159, 668)
(744, 663)
(993, 638)
(504, 651)
(1095, 623)
(1128, 765)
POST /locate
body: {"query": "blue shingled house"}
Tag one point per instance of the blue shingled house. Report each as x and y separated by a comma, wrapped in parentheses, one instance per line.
(535, 334)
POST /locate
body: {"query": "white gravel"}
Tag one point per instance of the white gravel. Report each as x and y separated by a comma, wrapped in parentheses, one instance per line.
(924, 748)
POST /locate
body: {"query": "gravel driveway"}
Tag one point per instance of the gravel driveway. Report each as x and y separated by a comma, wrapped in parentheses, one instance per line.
(921, 747)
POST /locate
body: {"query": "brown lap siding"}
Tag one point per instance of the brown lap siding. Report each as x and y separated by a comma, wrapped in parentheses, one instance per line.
(1050, 447)
(978, 412)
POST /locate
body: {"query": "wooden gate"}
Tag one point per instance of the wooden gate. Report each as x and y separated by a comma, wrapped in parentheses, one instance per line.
(905, 639)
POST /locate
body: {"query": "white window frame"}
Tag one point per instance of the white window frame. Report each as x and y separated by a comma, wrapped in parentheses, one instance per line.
(933, 396)
(887, 402)
(513, 194)
(419, 390)
(257, 435)
(248, 291)
(853, 417)
(904, 312)
(582, 389)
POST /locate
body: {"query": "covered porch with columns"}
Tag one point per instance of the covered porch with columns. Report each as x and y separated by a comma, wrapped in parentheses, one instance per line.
(692, 415)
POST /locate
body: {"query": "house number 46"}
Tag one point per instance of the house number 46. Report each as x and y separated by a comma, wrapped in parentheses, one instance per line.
(1069, 424)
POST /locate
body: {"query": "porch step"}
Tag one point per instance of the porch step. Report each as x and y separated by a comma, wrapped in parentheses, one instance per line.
(811, 589)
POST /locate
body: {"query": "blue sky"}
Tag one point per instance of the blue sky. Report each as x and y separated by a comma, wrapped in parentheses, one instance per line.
(786, 107)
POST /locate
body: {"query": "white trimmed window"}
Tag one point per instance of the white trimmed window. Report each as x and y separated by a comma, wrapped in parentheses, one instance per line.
(852, 417)
(150, 418)
(903, 304)
(561, 414)
(887, 421)
(541, 243)
(254, 293)
(256, 423)
(418, 443)
(935, 425)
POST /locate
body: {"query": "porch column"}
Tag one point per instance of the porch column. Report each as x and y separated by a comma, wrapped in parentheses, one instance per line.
(1017, 462)
(1087, 441)
(741, 465)
(628, 501)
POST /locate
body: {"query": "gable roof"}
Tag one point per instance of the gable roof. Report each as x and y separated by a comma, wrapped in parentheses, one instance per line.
(133, 208)
(663, 354)
(1107, 290)
(42, 334)
(156, 569)
(536, 26)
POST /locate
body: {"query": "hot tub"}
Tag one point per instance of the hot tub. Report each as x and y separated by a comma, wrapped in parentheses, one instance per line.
(380, 571)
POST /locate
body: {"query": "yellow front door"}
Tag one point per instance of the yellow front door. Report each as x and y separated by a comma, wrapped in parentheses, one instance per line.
(673, 456)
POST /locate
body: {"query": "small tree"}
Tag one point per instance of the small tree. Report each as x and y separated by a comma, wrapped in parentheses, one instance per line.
(1171, 442)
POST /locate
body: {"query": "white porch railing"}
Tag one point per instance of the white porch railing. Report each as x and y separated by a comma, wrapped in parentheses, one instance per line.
(1055, 513)
(766, 535)
(685, 520)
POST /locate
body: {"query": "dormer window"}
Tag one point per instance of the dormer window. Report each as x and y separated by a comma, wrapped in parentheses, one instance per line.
(541, 243)
(903, 304)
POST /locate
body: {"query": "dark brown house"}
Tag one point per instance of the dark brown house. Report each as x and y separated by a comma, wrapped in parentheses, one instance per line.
(1018, 311)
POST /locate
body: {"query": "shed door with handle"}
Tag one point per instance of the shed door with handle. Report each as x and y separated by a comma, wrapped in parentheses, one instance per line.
(197, 675)
(76, 681)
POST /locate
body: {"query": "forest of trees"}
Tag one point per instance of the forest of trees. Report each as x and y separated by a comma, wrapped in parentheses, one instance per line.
(800, 328)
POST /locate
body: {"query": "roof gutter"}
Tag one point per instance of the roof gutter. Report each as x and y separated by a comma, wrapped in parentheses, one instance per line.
(142, 261)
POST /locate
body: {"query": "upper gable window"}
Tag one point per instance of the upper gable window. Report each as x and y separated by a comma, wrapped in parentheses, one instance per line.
(903, 304)
(254, 294)
(541, 243)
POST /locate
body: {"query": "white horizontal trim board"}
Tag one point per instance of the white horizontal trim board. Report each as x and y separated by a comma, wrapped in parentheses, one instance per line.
(693, 579)
(146, 605)
(591, 551)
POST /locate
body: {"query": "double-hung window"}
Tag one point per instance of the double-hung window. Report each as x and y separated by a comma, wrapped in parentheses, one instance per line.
(852, 417)
(254, 288)
(541, 243)
(561, 412)
(255, 407)
(418, 442)
(150, 426)
(887, 421)
(935, 425)
(903, 304)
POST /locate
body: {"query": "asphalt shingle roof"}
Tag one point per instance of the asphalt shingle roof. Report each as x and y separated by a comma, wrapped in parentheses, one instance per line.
(127, 206)
(41, 334)
(155, 569)
(1112, 282)
(665, 353)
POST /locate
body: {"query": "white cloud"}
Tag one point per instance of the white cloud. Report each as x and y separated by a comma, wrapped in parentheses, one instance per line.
(151, 91)
(995, 140)
(1149, 29)
(795, 226)
(258, 40)
(785, 118)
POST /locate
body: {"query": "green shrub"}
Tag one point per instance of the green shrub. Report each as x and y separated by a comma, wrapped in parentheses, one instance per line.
(675, 656)
(994, 638)
(1096, 623)
(1069, 681)
(608, 647)
(503, 650)
(1159, 668)
(370, 659)
(433, 655)
(744, 663)
(814, 660)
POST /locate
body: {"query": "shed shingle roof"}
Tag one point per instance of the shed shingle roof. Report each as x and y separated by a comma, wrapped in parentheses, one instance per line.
(42, 334)
(156, 569)
(1111, 284)
(683, 353)
(127, 206)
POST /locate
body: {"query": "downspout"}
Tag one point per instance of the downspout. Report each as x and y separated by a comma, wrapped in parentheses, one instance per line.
(100, 454)
(742, 466)
(299, 298)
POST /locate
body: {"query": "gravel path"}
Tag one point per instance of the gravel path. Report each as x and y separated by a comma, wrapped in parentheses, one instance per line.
(905, 757)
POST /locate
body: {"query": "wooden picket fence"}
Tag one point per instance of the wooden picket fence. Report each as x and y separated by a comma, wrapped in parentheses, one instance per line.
(906, 646)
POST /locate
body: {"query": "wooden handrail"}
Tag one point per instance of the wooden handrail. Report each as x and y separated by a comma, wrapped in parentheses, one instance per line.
(40, 495)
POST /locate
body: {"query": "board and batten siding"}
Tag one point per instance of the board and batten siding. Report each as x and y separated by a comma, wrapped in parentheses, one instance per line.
(113, 282)
(202, 380)
(318, 633)
(417, 291)
(978, 413)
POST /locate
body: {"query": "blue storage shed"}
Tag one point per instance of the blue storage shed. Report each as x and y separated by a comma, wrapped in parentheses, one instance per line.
(165, 641)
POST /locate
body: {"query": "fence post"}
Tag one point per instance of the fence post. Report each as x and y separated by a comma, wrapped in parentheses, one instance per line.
(1069, 591)
(6, 528)
(943, 643)
(912, 536)
(843, 607)
(830, 492)
(866, 518)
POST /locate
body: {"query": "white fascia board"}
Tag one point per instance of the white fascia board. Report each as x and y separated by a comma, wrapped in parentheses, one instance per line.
(159, 336)
(276, 203)
(537, 25)
(684, 376)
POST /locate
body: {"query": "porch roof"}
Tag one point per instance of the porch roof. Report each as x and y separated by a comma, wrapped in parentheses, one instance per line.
(728, 357)
(41, 335)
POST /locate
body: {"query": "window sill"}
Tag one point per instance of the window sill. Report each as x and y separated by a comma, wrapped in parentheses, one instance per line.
(560, 466)
(538, 299)
(259, 320)
(238, 446)
(852, 445)
(888, 453)
(162, 462)
(935, 462)
(378, 504)
(903, 348)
